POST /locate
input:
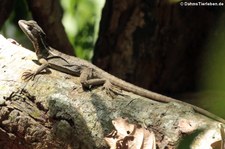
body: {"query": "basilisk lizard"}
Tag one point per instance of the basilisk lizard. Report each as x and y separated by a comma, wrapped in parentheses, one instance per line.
(89, 73)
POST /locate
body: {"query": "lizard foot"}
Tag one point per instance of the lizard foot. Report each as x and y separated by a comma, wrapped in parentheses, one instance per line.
(28, 75)
(78, 89)
(111, 90)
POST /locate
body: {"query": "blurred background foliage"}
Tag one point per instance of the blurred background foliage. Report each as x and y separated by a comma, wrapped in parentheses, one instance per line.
(80, 19)
(214, 57)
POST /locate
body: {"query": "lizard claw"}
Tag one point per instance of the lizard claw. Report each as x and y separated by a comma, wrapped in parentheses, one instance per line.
(28, 75)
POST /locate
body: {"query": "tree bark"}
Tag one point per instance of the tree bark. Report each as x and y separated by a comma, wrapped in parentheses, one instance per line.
(156, 45)
(48, 112)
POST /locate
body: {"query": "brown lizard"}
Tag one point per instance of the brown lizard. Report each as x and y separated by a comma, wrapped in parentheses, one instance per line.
(89, 73)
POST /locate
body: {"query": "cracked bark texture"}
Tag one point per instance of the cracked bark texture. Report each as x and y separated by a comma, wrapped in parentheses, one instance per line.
(48, 112)
(157, 45)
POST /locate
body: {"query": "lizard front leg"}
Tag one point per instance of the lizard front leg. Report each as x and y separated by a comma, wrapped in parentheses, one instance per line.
(28, 75)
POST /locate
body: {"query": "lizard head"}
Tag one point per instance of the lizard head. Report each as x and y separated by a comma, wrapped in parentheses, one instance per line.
(32, 30)
(37, 36)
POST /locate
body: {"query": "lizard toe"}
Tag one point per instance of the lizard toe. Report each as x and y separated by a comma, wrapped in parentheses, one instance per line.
(28, 75)
(111, 90)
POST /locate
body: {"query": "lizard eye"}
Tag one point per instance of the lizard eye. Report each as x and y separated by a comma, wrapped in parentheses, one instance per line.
(30, 27)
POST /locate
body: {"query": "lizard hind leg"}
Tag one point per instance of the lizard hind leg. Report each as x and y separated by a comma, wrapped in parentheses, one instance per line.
(111, 90)
(88, 79)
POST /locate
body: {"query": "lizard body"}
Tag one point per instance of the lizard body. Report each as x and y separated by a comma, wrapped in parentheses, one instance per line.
(89, 73)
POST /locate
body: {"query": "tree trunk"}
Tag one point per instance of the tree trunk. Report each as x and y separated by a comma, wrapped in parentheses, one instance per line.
(48, 112)
(156, 45)
(6, 8)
